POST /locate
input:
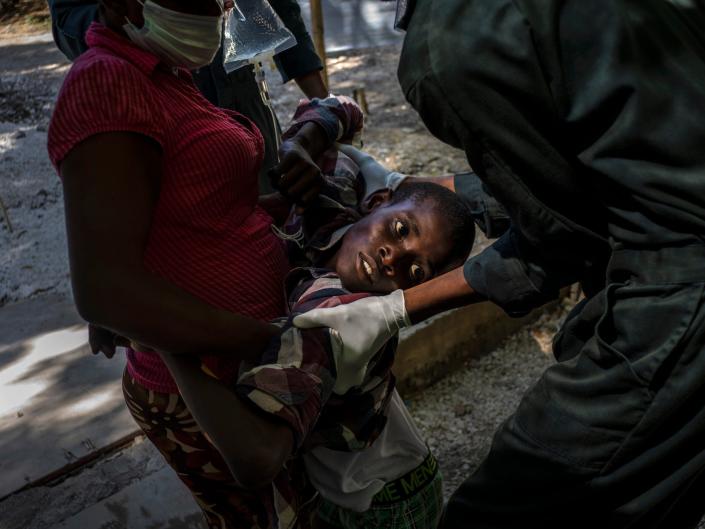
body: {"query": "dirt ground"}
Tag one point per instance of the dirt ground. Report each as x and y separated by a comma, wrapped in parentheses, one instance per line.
(394, 134)
(23, 17)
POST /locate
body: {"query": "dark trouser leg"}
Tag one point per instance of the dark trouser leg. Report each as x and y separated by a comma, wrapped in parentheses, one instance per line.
(170, 427)
(612, 437)
(70, 21)
(687, 511)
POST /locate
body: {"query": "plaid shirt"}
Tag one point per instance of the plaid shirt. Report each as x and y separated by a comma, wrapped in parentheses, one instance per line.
(295, 377)
(294, 381)
(310, 236)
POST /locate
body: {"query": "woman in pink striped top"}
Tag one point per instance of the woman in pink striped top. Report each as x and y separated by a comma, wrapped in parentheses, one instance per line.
(166, 240)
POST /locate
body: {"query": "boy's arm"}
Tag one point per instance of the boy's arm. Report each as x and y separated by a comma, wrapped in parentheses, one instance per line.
(297, 376)
(297, 176)
(255, 445)
(293, 380)
(339, 117)
(487, 212)
(276, 205)
(316, 126)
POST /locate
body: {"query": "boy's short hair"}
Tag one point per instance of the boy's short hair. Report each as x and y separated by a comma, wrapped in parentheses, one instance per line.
(451, 207)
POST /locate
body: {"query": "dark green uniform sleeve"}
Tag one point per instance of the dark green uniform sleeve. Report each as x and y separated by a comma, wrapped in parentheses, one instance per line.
(302, 58)
(503, 273)
(514, 279)
(501, 111)
(487, 213)
(511, 274)
(588, 139)
(69, 23)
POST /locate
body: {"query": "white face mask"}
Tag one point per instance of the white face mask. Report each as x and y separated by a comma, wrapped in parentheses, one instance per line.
(179, 39)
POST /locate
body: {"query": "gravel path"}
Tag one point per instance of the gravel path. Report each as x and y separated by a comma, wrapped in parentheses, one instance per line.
(459, 414)
(34, 258)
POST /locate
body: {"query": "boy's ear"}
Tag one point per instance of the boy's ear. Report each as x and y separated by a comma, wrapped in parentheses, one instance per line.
(374, 200)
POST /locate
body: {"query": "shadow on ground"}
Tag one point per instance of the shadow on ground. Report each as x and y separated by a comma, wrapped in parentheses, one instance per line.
(58, 402)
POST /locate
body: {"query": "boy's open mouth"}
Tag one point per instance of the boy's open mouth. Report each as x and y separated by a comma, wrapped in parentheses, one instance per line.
(366, 267)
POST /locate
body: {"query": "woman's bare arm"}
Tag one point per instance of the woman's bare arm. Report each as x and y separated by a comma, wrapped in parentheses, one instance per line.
(111, 185)
(312, 85)
(445, 292)
(254, 445)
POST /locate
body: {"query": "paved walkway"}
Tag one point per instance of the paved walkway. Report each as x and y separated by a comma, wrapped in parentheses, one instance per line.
(129, 489)
(58, 402)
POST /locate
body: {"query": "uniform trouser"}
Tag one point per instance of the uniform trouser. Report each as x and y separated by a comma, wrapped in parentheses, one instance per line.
(613, 435)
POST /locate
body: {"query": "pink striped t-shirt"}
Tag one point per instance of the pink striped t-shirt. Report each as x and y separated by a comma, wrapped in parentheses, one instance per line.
(208, 236)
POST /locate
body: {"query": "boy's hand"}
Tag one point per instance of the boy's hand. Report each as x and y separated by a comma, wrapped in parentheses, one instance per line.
(359, 330)
(296, 176)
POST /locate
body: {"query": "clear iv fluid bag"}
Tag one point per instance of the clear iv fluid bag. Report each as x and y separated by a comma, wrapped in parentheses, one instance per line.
(253, 31)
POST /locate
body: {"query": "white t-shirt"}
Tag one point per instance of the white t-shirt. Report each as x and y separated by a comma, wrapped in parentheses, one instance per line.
(351, 479)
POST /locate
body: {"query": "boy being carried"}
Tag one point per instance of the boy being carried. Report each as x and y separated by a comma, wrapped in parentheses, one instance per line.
(357, 441)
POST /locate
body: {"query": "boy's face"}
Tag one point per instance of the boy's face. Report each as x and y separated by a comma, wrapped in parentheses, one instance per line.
(395, 246)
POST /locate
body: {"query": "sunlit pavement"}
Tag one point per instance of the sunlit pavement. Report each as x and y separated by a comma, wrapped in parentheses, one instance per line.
(58, 402)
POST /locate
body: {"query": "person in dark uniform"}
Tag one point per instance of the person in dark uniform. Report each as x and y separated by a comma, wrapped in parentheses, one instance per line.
(235, 91)
(585, 121)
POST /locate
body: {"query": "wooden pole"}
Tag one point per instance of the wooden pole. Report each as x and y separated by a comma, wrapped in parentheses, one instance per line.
(5, 215)
(361, 98)
(319, 35)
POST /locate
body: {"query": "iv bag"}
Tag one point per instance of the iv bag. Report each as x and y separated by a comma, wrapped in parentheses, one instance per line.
(253, 31)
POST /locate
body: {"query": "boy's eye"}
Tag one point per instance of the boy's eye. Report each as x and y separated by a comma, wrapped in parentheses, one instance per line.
(400, 228)
(417, 273)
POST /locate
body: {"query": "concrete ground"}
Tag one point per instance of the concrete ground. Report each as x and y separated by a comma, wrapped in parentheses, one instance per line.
(132, 488)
